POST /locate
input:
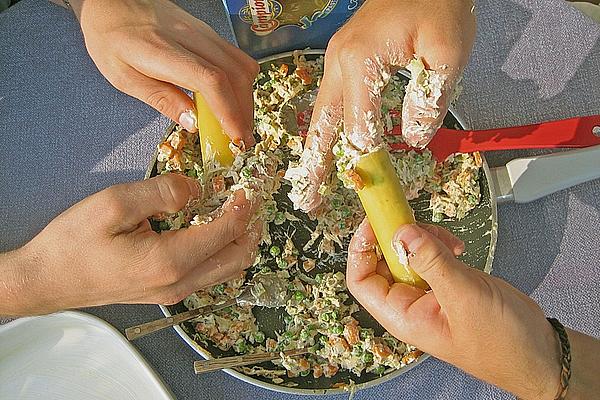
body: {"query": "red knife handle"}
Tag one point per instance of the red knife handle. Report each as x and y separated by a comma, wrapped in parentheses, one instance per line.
(571, 133)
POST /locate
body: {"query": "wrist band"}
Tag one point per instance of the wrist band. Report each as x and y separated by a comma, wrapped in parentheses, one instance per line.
(565, 358)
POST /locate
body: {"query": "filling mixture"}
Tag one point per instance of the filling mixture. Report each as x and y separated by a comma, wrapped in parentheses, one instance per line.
(307, 251)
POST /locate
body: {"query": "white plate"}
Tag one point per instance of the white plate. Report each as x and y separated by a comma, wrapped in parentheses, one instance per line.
(72, 355)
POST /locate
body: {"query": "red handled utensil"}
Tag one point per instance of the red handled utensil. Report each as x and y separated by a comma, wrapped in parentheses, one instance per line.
(567, 133)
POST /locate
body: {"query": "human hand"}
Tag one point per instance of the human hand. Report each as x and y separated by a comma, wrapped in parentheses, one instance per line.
(470, 319)
(381, 37)
(148, 49)
(103, 250)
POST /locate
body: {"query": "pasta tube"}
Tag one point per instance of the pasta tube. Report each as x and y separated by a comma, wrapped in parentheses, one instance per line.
(385, 204)
(214, 142)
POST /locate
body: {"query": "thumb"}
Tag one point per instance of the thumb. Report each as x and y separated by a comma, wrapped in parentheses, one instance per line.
(129, 204)
(432, 260)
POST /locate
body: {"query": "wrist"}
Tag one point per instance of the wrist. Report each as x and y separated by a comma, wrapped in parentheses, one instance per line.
(550, 367)
(19, 272)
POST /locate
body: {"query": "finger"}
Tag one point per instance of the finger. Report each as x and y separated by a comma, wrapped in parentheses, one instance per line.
(222, 266)
(364, 77)
(362, 258)
(189, 71)
(188, 248)
(317, 158)
(365, 284)
(240, 69)
(127, 205)
(384, 270)
(433, 261)
(455, 245)
(162, 96)
(416, 312)
(396, 306)
(430, 91)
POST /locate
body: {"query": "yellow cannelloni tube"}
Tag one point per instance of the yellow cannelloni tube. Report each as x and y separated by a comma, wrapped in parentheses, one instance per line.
(385, 204)
(214, 142)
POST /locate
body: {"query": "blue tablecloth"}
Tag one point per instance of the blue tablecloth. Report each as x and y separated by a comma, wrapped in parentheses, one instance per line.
(67, 133)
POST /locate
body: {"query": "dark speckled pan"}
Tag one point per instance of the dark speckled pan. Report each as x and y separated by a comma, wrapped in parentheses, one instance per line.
(478, 230)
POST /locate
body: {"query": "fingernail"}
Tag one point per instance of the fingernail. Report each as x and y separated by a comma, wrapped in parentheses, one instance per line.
(187, 119)
(410, 235)
(239, 143)
(459, 248)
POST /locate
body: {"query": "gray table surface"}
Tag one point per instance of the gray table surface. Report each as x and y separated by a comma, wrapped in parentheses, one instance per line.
(67, 133)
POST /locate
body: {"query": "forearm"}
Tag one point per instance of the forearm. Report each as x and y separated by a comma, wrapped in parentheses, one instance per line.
(18, 282)
(585, 366)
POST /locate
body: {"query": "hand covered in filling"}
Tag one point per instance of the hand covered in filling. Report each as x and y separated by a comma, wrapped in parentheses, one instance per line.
(431, 39)
(103, 250)
(469, 319)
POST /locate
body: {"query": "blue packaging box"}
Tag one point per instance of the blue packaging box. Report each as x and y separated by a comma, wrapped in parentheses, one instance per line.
(266, 27)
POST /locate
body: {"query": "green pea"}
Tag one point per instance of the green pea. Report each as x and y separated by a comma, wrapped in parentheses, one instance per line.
(305, 373)
(259, 337)
(275, 251)
(246, 172)
(240, 346)
(365, 333)
(279, 218)
(379, 370)
(288, 336)
(337, 329)
(367, 357)
(319, 278)
(323, 340)
(299, 295)
(220, 289)
(324, 317)
(304, 334)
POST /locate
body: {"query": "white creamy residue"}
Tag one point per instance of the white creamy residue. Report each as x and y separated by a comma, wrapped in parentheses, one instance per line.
(421, 112)
(307, 176)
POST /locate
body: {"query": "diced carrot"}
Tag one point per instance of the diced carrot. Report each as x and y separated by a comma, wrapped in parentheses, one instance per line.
(330, 370)
(270, 344)
(317, 371)
(303, 364)
(304, 76)
(283, 68)
(308, 265)
(381, 350)
(351, 334)
(166, 148)
(411, 356)
(339, 343)
(356, 179)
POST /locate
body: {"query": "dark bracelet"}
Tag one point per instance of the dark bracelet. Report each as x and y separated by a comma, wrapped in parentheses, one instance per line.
(565, 357)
